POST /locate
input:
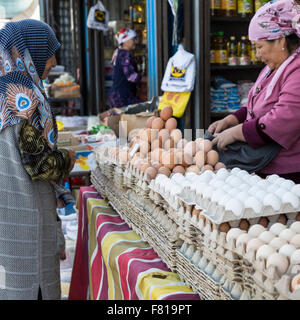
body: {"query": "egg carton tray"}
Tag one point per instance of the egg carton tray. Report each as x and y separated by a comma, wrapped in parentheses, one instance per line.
(99, 181)
(283, 286)
(218, 214)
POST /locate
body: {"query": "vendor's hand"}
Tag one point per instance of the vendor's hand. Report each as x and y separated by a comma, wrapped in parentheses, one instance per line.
(227, 137)
(221, 125)
(72, 155)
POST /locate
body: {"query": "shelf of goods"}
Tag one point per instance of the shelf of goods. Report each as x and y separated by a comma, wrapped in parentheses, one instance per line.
(228, 234)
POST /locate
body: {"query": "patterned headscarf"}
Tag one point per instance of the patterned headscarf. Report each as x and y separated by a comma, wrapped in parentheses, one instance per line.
(25, 46)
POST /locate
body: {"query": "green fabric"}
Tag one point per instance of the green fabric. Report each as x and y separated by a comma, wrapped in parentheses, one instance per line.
(40, 162)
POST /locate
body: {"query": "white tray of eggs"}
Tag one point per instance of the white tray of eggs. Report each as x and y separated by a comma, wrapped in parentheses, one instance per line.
(235, 194)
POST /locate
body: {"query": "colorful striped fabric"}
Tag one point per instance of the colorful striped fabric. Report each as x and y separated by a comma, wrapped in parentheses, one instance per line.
(112, 262)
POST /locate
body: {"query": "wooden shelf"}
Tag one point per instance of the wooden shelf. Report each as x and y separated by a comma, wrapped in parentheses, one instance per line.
(226, 67)
(231, 19)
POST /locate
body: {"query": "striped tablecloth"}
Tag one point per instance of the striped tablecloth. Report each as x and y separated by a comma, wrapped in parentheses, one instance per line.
(112, 262)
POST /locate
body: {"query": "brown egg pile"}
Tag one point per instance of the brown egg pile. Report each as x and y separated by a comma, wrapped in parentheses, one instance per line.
(163, 150)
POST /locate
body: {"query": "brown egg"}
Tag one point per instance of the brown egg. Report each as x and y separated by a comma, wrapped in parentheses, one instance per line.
(298, 217)
(207, 167)
(166, 113)
(164, 170)
(151, 172)
(176, 135)
(184, 159)
(206, 145)
(199, 140)
(282, 219)
(145, 166)
(169, 144)
(264, 221)
(171, 124)
(194, 169)
(156, 165)
(157, 154)
(244, 224)
(168, 159)
(224, 227)
(181, 143)
(158, 123)
(212, 157)
(295, 283)
(200, 159)
(164, 135)
(220, 165)
(178, 169)
(190, 148)
(149, 122)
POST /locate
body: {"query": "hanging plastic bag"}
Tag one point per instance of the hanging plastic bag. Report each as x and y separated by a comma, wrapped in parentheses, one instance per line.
(98, 17)
(180, 72)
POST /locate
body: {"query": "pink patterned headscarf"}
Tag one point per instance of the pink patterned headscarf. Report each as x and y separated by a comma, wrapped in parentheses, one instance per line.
(272, 21)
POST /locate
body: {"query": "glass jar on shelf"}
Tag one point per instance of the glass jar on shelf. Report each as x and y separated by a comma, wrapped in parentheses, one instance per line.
(228, 8)
(243, 51)
(232, 48)
(220, 45)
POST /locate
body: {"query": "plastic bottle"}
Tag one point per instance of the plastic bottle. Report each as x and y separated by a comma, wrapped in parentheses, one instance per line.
(215, 7)
(259, 3)
(213, 49)
(253, 57)
(232, 48)
(221, 53)
(228, 8)
(243, 48)
(245, 8)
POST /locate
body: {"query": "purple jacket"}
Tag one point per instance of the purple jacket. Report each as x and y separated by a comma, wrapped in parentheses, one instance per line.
(278, 118)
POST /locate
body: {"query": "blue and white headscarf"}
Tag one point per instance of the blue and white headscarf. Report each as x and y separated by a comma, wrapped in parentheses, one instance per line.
(25, 46)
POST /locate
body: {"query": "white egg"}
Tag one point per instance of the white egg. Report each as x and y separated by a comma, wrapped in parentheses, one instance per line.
(243, 238)
(264, 184)
(295, 241)
(280, 191)
(235, 170)
(292, 199)
(236, 206)
(273, 188)
(217, 195)
(276, 228)
(229, 178)
(253, 180)
(279, 261)
(235, 182)
(260, 195)
(279, 181)
(191, 176)
(266, 236)
(254, 190)
(254, 204)
(242, 196)
(205, 176)
(233, 191)
(233, 233)
(295, 257)
(288, 184)
(222, 173)
(255, 230)
(242, 173)
(277, 243)
(296, 189)
(272, 178)
(264, 251)
(273, 201)
(287, 250)
(226, 187)
(244, 187)
(177, 177)
(217, 183)
(207, 194)
(295, 226)
(254, 244)
(223, 201)
(287, 234)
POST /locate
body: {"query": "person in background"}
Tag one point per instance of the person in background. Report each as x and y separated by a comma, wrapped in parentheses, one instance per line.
(272, 112)
(125, 76)
(31, 239)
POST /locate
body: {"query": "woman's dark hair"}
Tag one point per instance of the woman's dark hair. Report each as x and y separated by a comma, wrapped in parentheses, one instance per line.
(292, 42)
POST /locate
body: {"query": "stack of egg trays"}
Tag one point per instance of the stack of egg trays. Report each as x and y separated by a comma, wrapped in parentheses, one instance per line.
(99, 181)
(142, 186)
(119, 174)
(283, 286)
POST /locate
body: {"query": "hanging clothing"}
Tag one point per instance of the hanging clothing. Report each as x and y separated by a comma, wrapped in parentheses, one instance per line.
(125, 80)
(30, 233)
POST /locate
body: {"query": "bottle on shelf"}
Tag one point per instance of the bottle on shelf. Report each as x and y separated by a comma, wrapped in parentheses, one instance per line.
(232, 49)
(213, 47)
(243, 50)
(245, 8)
(215, 7)
(220, 45)
(136, 12)
(228, 8)
(253, 57)
(259, 3)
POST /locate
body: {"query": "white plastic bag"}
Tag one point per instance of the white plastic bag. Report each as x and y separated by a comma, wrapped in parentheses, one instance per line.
(98, 17)
(180, 72)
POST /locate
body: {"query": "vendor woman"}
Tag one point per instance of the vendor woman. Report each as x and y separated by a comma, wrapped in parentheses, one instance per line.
(272, 112)
(125, 76)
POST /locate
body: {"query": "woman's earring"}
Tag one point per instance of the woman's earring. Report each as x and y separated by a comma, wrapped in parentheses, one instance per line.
(283, 49)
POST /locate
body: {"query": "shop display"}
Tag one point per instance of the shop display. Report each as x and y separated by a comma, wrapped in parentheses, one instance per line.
(215, 7)
(228, 8)
(243, 51)
(245, 8)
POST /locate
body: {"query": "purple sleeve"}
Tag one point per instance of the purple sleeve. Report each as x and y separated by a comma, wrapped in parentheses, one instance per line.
(129, 70)
(241, 114)
(253, 134)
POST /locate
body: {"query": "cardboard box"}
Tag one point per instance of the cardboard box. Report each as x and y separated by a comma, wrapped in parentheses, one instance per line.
(67, 138)
(129, 122)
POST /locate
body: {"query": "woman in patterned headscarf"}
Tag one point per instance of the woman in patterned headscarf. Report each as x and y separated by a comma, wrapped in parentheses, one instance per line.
(31, 166)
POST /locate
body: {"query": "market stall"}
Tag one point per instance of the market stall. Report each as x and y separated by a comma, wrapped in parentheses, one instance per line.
(229, 235)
